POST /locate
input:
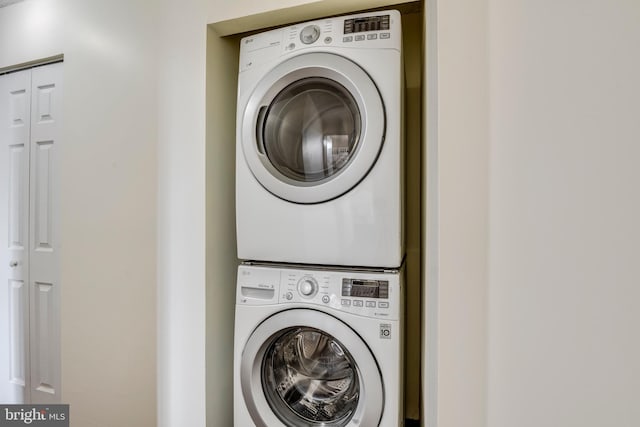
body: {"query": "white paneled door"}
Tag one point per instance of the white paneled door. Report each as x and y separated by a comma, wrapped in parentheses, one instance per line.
(30, 120)
(15, 117)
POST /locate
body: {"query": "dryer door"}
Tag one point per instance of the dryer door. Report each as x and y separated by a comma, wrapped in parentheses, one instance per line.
(313, 128)
(305, 368)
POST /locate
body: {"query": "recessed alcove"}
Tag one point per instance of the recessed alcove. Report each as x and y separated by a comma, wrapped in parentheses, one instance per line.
(223, 39)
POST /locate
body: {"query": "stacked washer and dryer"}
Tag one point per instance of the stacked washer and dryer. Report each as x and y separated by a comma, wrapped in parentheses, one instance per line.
(319, 202)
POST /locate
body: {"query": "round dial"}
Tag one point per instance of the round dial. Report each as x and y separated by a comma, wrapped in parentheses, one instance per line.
(307, 287)
(309, 34)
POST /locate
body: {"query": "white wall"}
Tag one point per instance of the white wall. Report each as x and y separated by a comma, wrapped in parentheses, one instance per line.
(181, 214)
(564, 347)
(108, 198)
(456, 214)
(544, 95)
(29, 31)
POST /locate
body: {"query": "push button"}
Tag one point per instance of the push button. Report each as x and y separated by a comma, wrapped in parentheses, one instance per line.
(385, 35)
(360, 37)
(357, 303)
(371, 304)
(372, 36)
(383, 305)
(346, 302)
(347, 39)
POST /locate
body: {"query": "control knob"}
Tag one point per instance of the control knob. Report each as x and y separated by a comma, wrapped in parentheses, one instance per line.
(309, 34)
(307, 287)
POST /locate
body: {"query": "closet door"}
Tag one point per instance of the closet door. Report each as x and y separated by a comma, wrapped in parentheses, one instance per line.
(29, 286)
(46, 112)
(15, 120)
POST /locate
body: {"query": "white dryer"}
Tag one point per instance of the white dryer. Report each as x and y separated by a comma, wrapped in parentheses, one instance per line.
(319, 162)
(318, 348)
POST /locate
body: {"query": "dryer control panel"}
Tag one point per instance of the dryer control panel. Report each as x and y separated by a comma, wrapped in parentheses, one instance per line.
(373, 294)
(366, 30)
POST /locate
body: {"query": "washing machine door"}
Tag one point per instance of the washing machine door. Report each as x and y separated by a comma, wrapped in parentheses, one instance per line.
(313, 128)
(306, 368)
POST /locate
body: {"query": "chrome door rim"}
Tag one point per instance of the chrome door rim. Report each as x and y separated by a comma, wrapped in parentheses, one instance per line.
(370, 406)
(372, 129)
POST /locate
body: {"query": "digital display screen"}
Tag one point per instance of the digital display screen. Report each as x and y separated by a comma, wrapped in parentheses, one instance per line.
(367, 23)
(365, 288)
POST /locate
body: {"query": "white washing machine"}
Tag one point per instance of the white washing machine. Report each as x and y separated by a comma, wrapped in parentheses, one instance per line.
(318, 348)
(319, 176)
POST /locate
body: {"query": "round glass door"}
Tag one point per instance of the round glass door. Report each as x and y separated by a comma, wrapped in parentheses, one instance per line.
(306, 368)
(311, 129)
(310, 379)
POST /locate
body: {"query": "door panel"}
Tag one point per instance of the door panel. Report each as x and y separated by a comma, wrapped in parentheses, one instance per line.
(18, 327)
(15, 123)
(18, 164)
(43, 372)
(46, 112)
(42, 207)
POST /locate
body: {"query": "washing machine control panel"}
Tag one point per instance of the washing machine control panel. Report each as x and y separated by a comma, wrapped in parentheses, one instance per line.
(369, 294)
(381, 29)
(365, 30)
